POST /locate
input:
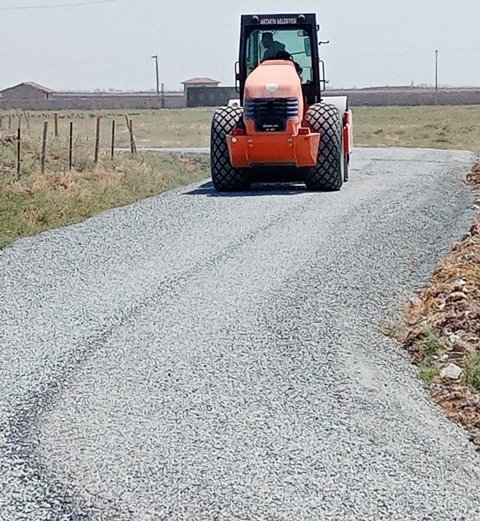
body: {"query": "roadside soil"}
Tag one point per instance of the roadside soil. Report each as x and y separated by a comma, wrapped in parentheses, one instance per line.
(441, 328)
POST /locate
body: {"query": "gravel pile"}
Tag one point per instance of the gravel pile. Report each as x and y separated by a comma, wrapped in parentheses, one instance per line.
(198, 357)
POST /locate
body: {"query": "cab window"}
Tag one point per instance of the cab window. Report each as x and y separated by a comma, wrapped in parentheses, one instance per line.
(291, 44)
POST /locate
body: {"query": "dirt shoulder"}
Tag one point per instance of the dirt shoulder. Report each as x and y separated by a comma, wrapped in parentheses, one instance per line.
(441, 329)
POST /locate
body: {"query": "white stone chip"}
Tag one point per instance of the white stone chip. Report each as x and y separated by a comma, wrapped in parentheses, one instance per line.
(452, 372)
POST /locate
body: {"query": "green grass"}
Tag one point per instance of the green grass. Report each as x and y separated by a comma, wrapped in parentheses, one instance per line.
(427, 373)
(472, 371)
(456, 127)
(430, 345)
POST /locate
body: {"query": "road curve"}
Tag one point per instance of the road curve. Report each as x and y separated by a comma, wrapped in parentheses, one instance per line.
(218, 357)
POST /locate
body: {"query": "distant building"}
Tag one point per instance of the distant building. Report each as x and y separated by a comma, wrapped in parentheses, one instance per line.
(28, 90)
(205, 92)
(199, 82)
(32, 96)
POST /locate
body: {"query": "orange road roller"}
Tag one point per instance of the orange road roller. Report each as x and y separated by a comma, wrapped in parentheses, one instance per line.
(284, 129)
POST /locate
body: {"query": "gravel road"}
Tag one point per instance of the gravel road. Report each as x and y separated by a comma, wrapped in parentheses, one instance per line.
(204, 357)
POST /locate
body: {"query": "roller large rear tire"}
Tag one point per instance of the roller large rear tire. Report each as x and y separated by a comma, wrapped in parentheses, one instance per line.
(328, 172)
(225, 177)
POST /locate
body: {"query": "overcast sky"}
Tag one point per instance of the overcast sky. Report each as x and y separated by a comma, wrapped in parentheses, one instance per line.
(109, 44)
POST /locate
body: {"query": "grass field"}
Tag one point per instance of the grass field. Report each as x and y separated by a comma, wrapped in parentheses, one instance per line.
(41, 201)
(152, 128)
(433, 127)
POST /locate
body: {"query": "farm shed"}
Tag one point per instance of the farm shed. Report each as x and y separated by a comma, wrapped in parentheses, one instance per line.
(27, 90)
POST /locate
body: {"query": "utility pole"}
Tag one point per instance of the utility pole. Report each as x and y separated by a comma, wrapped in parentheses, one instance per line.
(436, 77)
(155, 57)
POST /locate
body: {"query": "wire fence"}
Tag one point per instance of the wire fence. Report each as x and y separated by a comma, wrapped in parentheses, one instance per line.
(22, 130)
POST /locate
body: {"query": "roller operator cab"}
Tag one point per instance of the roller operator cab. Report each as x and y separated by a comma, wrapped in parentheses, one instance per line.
(283, 129)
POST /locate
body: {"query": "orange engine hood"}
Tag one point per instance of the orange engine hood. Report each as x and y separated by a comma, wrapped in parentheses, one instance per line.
(274, 79)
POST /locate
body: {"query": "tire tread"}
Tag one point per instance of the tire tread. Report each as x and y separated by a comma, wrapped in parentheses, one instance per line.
(225, 177)
(327, 173)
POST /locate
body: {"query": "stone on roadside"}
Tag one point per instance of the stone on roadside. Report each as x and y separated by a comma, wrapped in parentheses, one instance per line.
(453, 337)
(457, 295)
(452, 372)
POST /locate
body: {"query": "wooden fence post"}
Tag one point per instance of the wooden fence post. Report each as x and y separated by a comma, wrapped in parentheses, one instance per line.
(55, 121)
(112, 151)
(43, 156)
(97, 140)
(132, 137)
(133, 146)
(19, 152)
(129, 131)
(70, 147)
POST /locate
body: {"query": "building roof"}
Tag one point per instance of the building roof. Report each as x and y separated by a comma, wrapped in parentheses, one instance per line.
(36, 86)
(203, 81)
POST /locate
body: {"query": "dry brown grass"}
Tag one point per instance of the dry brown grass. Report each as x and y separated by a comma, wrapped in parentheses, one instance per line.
(39, 202)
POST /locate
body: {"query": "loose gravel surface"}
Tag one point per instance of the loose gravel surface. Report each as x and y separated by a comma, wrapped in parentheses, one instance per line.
(206, 357)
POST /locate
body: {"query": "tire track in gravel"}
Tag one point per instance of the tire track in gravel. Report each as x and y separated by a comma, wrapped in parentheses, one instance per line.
(17, 445)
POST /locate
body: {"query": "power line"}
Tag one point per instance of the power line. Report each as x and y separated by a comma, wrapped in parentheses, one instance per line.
(56, 6)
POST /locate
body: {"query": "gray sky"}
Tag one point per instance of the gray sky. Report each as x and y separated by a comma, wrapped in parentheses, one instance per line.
(108, 45)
